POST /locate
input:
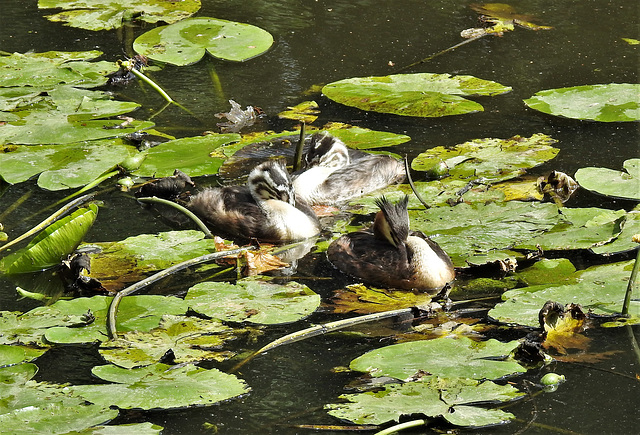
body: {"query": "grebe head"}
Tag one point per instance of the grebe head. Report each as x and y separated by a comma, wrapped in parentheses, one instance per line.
(327, 151)
(270, 180)
(392, 221)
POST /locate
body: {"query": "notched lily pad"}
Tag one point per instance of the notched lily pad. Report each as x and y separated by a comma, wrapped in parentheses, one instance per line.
(111, 14)
(612, 183)
(253, 301)
(186, 42)
(613, 102)
(449, 398)
(492, 159)
(161, 386)
(423, 94)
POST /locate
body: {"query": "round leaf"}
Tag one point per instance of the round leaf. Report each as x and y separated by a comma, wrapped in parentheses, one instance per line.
(606, 103)
(424, 94)
(185, 42)
(612, 183)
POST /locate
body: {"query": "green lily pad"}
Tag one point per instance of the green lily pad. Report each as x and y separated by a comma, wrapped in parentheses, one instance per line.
(52, 244)
(253, 301)
(47, 70)
(186, 42)
(493, 159)
(613, 102)
(423, 94)
(599, 289)
(468, 230)
(624, 242)
(433, 397)
(444, 357)
(195, 156)
(581, 228)
(191, 340)
(112, 14)
(10, 355)
(358, 298)
(125, 429)
(30, 407)
(161, 386)
(135, 313)
(612, 183)
(549, 271)
(62, 166)
(138, 256)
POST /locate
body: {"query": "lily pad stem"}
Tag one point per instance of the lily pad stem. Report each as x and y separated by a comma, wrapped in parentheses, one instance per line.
(48, 221)
(446, 50)
(184, 210)
(297, 161)
(632, 280)
(113, 307)
(151, 83)
(323, 329)
(413, 187)
(402, 426)
(89, 186)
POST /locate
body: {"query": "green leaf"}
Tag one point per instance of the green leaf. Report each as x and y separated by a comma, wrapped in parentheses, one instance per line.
(111, 14)
(186, 42)
(613, 102)
(52, 244)
(253, 301)
(424, 94)
(195, 156)
(599, 289)
(624, 242)
(138, 256)
(433, 397)
(62, 166)
(444, 357)
(190, 339)
(493, 159)
(612, 183)
(160, 386)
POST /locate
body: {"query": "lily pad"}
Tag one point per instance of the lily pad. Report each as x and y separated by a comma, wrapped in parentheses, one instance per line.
(253, 301)
(612, 183)
(52, 244)
(423, 94)
(190, 339)
(10, 355)
(599, 289)
(613, 102)
(112, 14)
(444, 357)
(62, 166)
(195, 156)
(624, 242)
(161, 386)
(433, 397)
(118, 263)
(360, 299)
(186, 42)
(492, 159)
(467, 230)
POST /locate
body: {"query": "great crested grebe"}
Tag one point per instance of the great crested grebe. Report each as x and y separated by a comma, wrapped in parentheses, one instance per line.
(334, 174)
(265, 209)
(390, 256)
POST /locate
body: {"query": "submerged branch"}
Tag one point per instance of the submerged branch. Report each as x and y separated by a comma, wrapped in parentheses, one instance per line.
(113, 307)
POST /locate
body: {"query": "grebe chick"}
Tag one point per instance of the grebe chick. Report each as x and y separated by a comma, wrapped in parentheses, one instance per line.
(391, 256)
(265, 209)
(334, 174)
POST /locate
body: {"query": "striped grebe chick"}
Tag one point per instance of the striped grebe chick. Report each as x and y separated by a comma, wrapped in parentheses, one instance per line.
(266, 209)
(335, 174)
(391, 256)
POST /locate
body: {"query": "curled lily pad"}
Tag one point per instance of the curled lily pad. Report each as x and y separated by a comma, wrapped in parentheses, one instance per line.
(360, 299)
(493, 159)
(433, 397)
(613, 102)
(253, 301)
(423, 94)
(52, 244)
(111, 14)
(160, 386)
(612, 183)
(186, 42)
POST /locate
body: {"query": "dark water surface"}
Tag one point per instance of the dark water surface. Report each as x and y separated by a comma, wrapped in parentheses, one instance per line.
(317, 42)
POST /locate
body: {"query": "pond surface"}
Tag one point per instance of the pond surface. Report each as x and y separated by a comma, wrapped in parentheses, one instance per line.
(317, 42)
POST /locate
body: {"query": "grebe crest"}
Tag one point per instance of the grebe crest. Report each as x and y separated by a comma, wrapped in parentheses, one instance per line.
(265, 209)
(391, 255)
